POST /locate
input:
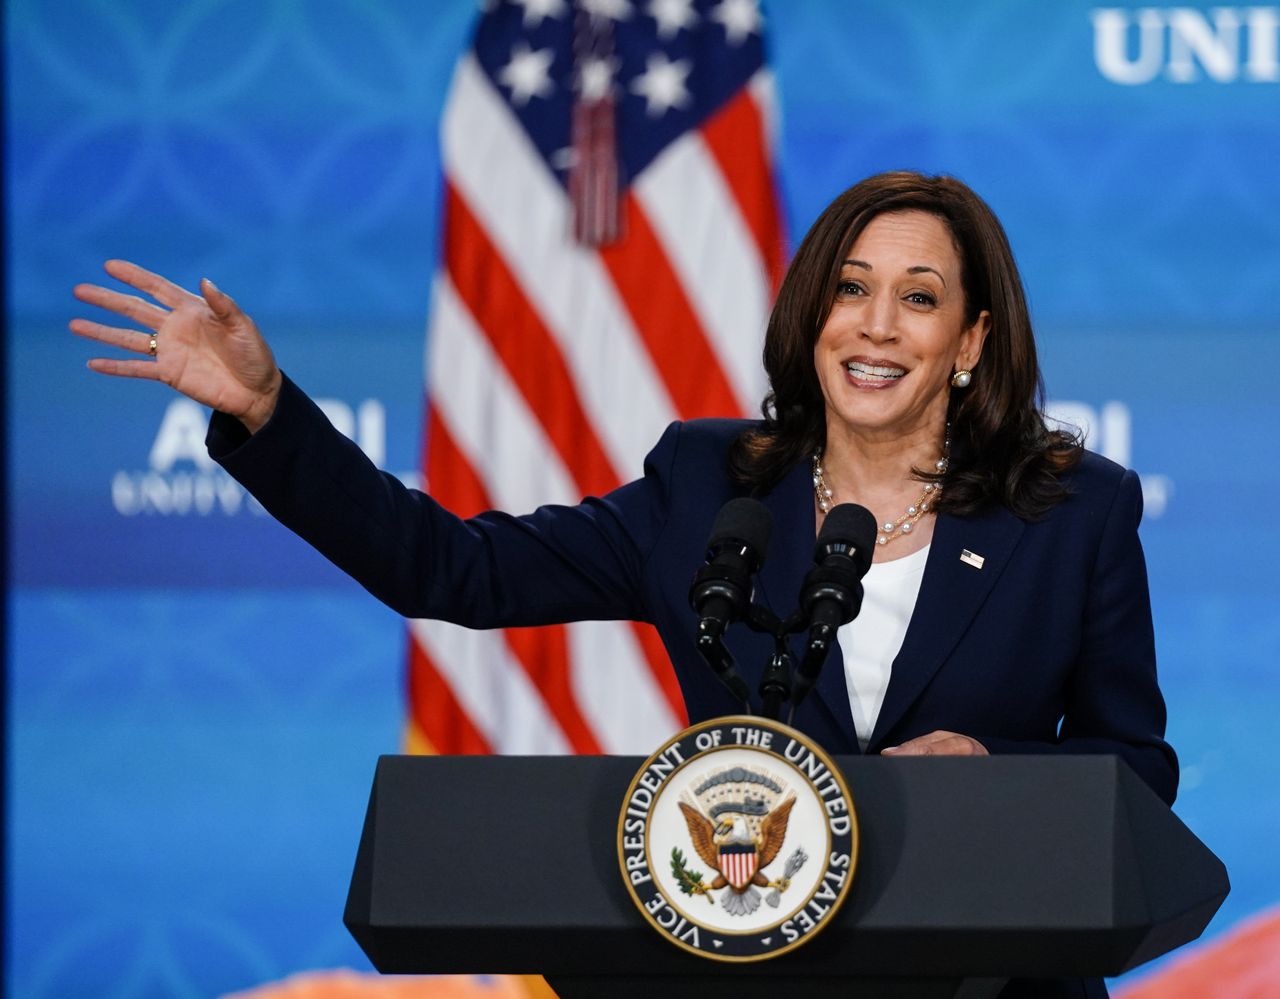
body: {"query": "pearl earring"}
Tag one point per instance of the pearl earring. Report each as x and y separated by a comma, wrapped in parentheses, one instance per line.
(962, 378)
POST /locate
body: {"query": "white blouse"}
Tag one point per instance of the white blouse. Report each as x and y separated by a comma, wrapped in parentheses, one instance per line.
(871, 641)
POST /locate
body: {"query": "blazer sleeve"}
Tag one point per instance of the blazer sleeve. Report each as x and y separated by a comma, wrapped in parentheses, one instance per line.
(1112, 702)
(557, 564)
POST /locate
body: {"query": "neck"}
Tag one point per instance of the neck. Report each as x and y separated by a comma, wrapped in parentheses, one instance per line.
(875, 471)
(867, 469)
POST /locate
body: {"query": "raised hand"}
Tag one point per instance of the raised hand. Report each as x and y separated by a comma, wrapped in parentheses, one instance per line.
(203, 345)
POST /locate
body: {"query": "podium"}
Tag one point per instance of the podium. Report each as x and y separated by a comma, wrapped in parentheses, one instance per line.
(970, 871)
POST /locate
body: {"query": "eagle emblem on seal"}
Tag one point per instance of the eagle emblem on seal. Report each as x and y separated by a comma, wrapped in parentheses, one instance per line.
(737, 827)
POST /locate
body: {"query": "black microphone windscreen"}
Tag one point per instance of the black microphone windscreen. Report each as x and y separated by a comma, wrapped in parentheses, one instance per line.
(848, 526)
(746, 520)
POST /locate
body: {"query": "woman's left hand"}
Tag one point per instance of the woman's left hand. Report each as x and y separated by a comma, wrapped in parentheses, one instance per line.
(938, 744)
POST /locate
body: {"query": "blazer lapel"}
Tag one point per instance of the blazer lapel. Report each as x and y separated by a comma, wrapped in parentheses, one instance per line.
(952, 591)
(795, 530)
(791, 550)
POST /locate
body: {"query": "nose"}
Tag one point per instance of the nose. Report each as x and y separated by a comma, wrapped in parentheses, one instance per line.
(878, 319)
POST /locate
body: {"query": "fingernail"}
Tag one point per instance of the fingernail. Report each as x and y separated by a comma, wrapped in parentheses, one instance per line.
(889, 750)
(212, 286)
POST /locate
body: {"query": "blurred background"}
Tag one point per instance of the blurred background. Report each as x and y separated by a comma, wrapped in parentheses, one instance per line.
(196, 699)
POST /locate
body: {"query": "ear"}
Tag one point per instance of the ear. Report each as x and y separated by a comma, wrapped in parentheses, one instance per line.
(972, 339)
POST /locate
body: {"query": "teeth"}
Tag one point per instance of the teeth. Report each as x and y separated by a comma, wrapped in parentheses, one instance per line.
(860, 370)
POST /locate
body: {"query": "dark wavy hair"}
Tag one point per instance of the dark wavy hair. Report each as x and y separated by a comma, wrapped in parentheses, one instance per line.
(1002, 452)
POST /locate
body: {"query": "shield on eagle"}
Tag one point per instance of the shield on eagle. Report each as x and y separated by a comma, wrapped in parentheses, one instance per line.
(738, 863)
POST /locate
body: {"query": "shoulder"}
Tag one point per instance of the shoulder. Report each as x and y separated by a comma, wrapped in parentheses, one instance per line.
(1099, 491)
(715, 433)
(1093, 471)
(699, 441)
(1098, 481)
(690, 462)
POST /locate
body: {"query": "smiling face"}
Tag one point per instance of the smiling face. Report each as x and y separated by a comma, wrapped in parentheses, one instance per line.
(896, 332)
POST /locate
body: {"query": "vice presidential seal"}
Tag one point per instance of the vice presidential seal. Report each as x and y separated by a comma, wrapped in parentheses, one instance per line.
(738, 839)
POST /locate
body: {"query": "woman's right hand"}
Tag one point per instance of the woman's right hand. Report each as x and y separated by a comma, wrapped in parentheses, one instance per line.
(205, 346)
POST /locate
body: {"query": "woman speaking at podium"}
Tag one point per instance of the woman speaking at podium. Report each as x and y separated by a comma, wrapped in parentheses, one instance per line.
(1006, 608)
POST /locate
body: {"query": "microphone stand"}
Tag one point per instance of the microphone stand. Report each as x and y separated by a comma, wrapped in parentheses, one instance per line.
(775, 684)
(717, 655)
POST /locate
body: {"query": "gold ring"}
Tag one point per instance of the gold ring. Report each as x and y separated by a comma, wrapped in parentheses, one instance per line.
(151, 347)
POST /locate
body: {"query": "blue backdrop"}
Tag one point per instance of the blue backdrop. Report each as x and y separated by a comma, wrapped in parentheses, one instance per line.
(197, 699)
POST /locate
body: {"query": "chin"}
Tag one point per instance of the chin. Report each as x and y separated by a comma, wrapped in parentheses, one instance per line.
(880, 421)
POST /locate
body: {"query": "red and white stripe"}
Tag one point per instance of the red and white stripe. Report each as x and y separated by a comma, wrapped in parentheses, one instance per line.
(738, 867)
(553, 368)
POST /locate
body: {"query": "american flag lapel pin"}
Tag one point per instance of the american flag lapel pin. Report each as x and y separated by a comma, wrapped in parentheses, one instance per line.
(970, 558)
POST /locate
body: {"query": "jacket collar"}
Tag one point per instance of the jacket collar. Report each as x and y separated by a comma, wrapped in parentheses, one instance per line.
(951, 593)
(795, 530)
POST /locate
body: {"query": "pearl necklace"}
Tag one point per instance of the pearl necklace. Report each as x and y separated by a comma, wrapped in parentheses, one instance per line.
(890, 530)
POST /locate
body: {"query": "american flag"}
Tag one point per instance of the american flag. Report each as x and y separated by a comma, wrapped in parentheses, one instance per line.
(611, 246)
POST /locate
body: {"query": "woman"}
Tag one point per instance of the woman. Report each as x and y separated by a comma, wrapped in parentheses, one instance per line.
(904, 378)
(1006, 608)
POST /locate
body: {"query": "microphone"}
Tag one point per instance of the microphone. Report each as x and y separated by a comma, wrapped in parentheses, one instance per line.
(721, 590)
(831, 594)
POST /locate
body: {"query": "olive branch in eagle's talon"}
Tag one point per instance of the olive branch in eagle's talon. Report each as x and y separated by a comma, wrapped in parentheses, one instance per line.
(690, 882)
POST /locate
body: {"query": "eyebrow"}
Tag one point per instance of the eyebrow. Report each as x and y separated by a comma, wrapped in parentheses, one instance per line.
(917, 269)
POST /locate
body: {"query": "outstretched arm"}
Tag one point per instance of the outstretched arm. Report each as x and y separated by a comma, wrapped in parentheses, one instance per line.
(556, 564)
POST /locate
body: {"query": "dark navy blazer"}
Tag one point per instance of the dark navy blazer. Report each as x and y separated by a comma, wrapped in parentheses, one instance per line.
(1047, 648)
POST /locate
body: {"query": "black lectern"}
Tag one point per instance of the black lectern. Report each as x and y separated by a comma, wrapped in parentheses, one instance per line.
(970, 872)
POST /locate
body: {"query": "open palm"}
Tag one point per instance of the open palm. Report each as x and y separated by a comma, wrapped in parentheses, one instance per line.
(204, 345)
